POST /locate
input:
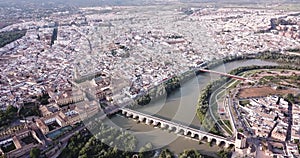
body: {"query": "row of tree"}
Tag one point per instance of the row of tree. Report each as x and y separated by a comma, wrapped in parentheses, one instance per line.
(203, 102)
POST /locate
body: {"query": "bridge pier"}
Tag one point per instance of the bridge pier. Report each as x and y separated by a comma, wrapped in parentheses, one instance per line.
(141, 118)
(155, 123)
(209, 139)
(135, 116)
(147, 121)
(227, 145)
(193, 135)
(218, 142)
(185, 132)
(201, 136)
(123, 112)
(128, 114)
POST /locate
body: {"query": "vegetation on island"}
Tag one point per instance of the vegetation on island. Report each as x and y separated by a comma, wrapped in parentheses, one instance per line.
(144, 100)
(157, 92)
(10, 36)
(172, 84)
(203, 102)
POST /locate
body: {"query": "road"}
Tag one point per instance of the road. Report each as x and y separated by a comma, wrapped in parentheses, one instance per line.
(211, 101)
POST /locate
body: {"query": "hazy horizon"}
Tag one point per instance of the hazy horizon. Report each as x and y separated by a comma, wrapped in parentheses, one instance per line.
(86, 3)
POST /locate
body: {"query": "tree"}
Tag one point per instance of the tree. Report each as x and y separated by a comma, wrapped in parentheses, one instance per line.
(7, 116)
(224, 154)
(190, 154)
(166, 153)
(35, 153)
(146, 151)
(144, 100)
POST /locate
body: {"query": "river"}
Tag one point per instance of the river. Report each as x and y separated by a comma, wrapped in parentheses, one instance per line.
(179, 107)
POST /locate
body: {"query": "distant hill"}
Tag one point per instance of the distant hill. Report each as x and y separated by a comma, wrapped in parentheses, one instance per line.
(86, 3)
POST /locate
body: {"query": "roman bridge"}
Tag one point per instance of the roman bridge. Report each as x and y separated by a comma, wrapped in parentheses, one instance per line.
(176, 127)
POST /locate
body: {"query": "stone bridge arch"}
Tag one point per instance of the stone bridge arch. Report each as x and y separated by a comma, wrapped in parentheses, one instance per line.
(221, 143)
(135, 116)
(204, 138)
(195, 136)
(213, 141)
